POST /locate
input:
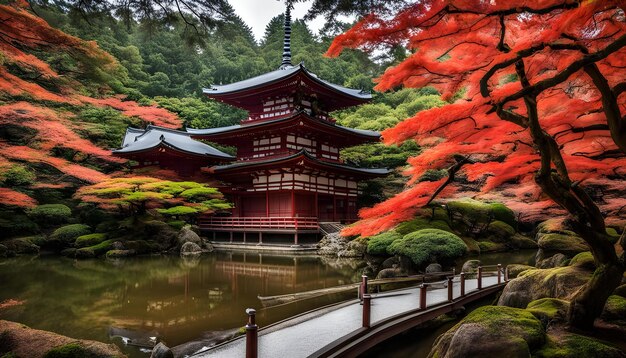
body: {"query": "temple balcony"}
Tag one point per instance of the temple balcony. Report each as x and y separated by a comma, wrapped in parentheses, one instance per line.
(260, 224)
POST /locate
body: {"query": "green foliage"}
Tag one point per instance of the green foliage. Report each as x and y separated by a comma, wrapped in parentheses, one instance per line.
(202, 113)
(71, 350)
(420, 223)
(95, 250)
(380, 155)
(50, 214)
(473, 213)
(429, 245)
(377, 245)
(104, 126)
(177, 224)
(13, 223)
(90, 240)
(548, 308)
(576, 346)
(69, 233)
(18, 175)
(179, 211)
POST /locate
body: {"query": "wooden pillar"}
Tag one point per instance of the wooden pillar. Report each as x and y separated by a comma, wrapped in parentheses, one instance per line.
(423, 290)
(260, 237)
(231, 236)
(267, 203)
(367, 309)
(213, 235)
(462, 277)
(293, 203)
(244, 238)
(363, 287)
(251, 334)
(499, 273)
(480, 277)
(317, 209)
(450, 288)
(334, 208)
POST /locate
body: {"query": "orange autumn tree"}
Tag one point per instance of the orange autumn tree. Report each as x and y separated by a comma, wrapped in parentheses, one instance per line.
(540, 124)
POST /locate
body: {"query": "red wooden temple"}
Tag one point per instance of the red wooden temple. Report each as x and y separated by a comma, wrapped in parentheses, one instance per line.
(287, 177)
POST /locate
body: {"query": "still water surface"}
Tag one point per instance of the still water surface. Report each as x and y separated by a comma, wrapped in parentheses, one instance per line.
(174, 299)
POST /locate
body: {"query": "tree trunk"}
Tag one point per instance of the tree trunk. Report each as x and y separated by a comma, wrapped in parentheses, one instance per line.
(589, 301)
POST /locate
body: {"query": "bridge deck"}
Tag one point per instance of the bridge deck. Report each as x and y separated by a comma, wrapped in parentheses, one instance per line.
(316, 331)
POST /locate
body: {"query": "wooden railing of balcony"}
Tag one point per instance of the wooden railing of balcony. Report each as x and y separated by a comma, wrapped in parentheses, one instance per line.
(256, 223)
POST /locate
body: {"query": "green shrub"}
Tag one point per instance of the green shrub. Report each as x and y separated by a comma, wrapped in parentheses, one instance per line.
(377, 245)
(14, 223)
(95, 250)
(90, 240)
(502, 213)
(177, 224)
(18, 175)
(69, 233)
(420, 223)
(428, 246)
(72, 350)
(50, 214)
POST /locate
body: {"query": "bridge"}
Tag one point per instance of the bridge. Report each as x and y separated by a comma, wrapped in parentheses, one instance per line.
(350, 328)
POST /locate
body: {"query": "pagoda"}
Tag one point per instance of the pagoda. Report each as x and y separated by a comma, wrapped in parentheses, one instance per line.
(287, 179)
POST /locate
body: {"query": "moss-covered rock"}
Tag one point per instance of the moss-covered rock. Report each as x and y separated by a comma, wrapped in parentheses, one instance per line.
(584, 259)
(548, 308)
(176, 224)
(141, 247)
(615, 308)
(21, 246)
(473, 247)
(378, 244)
(556, 225)
(519, 241)
(429, 245)
(23, 341)
(531, 285)
(15, 223)
(620, 291)
(492, 331)
(67, 235)
(556, 260)
(50, 214)
(499, 231)
(4, 252)
(515, 269)
(566, 244)
(95, 250)
(421, 223)
(488, 246)
(570, 345)
(90, 240)
(116, 254)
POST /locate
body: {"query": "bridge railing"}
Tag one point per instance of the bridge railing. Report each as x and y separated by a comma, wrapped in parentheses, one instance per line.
(366, 298)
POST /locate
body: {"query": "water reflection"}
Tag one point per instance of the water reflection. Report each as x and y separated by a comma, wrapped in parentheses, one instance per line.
(176, 299)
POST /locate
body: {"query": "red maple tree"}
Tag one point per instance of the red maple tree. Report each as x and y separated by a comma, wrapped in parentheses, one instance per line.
(540, 118)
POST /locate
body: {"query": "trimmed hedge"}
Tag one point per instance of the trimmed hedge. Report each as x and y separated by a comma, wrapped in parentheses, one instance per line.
(429, 245)
(377, 245)
(69, 233)
(50, 214)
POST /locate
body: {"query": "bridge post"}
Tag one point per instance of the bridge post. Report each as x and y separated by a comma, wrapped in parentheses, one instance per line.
(499, 273)
(480, 277)
(450, 287)
(251, 334)
(363, 287)
(462, 277)
(423, 290)
(367, 310)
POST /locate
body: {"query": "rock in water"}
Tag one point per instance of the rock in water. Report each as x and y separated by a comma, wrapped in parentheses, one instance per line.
(161, 351)
(433, 268)
(190, 248)
(186, 235)
(470, 267)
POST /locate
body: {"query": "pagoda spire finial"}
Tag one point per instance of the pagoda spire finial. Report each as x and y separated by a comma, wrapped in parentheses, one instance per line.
(287, 41)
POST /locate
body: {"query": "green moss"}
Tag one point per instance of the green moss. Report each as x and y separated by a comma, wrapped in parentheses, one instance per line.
(576, 346)
(567, 244)
(95, 250)
(377, 245)
(583, 259)
(179, 210)
(429, 245)
(499, 231)
(473, 247)
(69, 233)
(420, 223)
(90, 240)
(22, 245)
(514, 270)
(50, 214)
(488, 246)
(502, 213)
(177, 224)
(615, 308)
(72, 350)
(549, 308)
(18, 175)
(613, 235)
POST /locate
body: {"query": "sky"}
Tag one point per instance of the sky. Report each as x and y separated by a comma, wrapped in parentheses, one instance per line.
(258, 13)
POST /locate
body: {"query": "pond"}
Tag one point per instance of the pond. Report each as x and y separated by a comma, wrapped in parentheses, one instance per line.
(177, 300)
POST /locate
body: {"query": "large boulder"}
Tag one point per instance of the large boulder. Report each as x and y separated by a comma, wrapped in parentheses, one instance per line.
(565, 344)
(355, 248)
(332, 244)
(161, 351)
(556, 260)
(615, 309)
(20, 246)
(433, 268)
(531, 285)
(566, 244)
(515, 269)
(391, 273)
(186, 234)
(18, 340)
(492, 331)
(470, 267)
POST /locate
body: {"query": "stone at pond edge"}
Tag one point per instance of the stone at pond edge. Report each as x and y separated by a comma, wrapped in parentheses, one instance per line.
(390, 273)
(557, 260)
(433, 268)
(572, 345)
(470, 266)
(161, 351)
(23, 341)
(116, 254)
(560, 282)
(515, 269)
(190, 248)
(4, 252)
(491, 331)
(186, 234)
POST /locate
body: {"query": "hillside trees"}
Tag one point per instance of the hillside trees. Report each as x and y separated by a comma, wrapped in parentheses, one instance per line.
(540, 115)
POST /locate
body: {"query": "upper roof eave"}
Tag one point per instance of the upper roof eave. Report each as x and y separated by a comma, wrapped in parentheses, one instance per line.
(278, 75)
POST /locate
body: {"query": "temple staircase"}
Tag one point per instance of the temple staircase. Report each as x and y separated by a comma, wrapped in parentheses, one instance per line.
(330, 227)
